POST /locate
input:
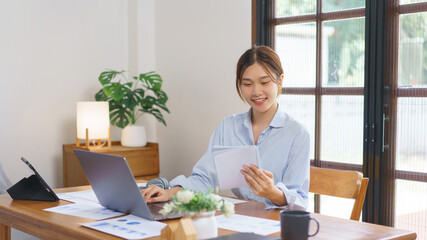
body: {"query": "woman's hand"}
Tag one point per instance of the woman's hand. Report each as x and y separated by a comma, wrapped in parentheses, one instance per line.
(154, 193)
(262, 184)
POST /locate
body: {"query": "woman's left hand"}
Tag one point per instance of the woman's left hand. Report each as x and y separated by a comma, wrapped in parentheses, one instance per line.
(262, 184)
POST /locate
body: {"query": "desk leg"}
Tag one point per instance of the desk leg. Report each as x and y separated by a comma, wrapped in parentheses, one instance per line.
(4, 232)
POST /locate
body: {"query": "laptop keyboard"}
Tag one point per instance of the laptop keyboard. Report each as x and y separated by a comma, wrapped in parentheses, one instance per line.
(155, 208)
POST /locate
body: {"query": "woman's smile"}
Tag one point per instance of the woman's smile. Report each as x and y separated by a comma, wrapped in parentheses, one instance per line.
(259, 101)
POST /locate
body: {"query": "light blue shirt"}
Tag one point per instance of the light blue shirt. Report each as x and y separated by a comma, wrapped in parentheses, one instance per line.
(284, 148)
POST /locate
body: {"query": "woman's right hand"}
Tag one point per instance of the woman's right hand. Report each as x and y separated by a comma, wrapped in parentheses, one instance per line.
(154, 193)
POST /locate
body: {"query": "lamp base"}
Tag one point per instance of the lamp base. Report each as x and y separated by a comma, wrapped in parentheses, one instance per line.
(97, 142)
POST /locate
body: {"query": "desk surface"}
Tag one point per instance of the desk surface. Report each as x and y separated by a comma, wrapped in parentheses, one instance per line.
(28, 216)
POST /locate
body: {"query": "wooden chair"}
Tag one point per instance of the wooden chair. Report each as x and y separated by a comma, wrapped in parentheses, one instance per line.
(340, 183)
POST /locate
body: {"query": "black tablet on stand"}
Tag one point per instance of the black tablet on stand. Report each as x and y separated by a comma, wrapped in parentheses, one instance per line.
(32, 188)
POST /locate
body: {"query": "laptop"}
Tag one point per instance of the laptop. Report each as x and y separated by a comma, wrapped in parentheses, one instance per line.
(115, 187)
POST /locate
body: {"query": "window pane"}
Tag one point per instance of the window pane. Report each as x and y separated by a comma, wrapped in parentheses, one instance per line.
(342, 129)
(411, 1)
(343, 53)
(301, 108)
(296, 47)
(411, 134)
(338, 5)
(413, 50)
(337, 207)
(411, 207)
(286, 8)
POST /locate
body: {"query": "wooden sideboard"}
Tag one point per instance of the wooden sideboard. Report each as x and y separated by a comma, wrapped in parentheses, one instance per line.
(143, 162)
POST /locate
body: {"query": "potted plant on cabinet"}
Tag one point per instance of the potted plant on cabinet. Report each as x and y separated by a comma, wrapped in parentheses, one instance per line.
(130, 99)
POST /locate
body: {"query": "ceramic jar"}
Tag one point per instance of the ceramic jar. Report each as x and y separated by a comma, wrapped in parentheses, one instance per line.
(205, 224)
(134, 136)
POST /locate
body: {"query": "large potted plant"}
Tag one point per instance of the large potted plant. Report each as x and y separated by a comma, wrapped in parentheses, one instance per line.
(130, 99)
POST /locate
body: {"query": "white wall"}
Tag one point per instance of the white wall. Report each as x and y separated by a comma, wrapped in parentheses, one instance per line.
(142, 58)
(51, 53)
(198, 43)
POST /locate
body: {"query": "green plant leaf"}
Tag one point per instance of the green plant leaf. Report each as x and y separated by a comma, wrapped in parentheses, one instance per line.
(161, 105)
(147, 105)
(106, 77)
(133, 98)
(151, 80)
(100, 96)
(129, 84)
(147, 102)
(116, 91)
(162, 96)
(156, 113)
(120, 116)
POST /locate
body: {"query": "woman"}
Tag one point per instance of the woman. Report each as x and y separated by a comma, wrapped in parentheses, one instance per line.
(283, 143)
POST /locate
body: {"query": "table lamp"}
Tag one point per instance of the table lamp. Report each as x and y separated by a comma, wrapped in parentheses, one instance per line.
(93, 124)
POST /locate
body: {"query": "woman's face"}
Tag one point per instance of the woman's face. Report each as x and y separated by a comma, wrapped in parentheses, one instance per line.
(259, 90)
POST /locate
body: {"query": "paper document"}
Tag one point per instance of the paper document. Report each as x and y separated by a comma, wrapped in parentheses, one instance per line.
(241, 223)
(87, 196)
(92, 211)
(229, 160)
(128, 227)
(234, 200)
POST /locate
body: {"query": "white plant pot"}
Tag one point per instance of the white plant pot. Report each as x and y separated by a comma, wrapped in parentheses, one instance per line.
(205, 225)
(134, 136)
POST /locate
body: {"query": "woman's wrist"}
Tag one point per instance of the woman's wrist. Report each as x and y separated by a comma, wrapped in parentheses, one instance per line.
(278, 197)
(173, 191)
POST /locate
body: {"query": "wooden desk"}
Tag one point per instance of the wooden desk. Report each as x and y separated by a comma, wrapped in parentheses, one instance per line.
(143, 162)
(28, 216)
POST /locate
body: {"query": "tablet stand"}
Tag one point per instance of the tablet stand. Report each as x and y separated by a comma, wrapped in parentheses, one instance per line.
(32, 188)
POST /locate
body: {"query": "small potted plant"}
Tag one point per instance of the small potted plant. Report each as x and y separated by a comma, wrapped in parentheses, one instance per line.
(130, 99)
(201, 208)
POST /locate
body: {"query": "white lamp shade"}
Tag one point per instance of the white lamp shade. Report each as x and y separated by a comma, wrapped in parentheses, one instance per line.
(95, 117)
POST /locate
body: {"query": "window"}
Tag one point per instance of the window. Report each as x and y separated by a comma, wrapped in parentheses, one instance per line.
(406, 127)
(363, 113)
(322, 48)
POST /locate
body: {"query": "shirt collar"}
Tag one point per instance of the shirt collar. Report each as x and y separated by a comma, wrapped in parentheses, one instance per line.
(278, 120)
(247, 121)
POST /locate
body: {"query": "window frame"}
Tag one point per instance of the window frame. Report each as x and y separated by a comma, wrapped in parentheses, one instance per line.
(380, 92)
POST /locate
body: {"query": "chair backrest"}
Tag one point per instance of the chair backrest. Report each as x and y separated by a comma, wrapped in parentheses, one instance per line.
(340, 183)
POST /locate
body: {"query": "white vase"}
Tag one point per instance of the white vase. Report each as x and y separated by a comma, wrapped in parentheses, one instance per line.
(134, 136)
(205, 225)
